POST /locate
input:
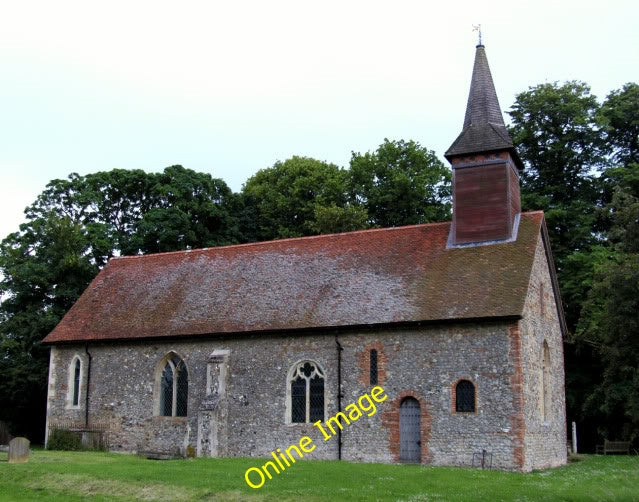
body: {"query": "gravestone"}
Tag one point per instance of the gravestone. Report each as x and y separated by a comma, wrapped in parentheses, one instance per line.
(19, 450)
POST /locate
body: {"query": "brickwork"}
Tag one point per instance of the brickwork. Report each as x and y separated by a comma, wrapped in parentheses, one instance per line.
(485, 197)
(390, 421)
(453, 403)
(364, 363)
(518, 425)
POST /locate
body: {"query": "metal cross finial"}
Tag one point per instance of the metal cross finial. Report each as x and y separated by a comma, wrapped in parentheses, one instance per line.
(477, 27)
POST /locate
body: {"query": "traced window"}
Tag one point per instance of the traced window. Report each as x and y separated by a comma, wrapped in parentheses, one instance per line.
(307, 393)
(174, 388)
(545, 383)
(373, 367)
(464, 397)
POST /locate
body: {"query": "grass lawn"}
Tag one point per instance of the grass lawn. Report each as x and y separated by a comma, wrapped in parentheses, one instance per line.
(70, 476)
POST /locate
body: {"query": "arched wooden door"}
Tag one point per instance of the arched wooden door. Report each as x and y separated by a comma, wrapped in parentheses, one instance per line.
(409, 431)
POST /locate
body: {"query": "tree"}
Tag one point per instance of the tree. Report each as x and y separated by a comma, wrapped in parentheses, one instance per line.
(44, 268)
(335, 219)
(130, 212)
(288, 196)
(557, 136)
(185, 210)
(106, 204)
(610, 324)
(620, 116)
(608, 329)
(401, 183)
(555, 130)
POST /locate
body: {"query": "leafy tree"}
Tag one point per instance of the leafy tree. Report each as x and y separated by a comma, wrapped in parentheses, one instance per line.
(620, 116)
(336, 219)
(107, 204)
(557, 136)
(608, 329)
(185, 210)
(288, 196)
(401, 183)
(44, 268)
(610, 324)
(130, 212)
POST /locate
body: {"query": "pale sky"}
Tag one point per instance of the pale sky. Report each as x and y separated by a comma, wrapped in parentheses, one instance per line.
(231, 87)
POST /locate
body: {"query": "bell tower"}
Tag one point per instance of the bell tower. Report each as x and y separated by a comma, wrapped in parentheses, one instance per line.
(486, 200)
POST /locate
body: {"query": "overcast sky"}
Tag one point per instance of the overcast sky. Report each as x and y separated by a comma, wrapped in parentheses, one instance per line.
(230, 87)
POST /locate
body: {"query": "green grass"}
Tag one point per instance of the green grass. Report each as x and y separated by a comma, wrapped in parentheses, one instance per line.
(73, 476)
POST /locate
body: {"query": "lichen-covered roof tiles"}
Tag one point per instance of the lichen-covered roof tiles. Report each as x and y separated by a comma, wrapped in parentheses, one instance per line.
(392, 275)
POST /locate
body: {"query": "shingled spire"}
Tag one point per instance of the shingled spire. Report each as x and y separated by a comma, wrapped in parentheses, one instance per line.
(484, 127)
(486, 202)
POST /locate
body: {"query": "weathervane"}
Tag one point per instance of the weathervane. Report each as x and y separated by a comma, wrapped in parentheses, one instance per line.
(477, 27)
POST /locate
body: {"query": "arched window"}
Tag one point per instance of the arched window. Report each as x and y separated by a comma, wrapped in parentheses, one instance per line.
(373, 367)
(545, 382)
(76, 383)
(465, 397)
(174, 388)
(306, 381)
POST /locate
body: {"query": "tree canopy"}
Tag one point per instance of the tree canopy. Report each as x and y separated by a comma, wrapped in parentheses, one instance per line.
(289, 197)
(401, 183)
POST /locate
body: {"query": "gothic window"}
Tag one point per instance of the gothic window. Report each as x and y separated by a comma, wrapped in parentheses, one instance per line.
(306, 393)
(373, 367)
(174, 388)
(465, 397)
(545, 382)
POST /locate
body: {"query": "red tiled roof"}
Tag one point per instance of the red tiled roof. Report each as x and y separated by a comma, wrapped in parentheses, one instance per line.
(402, 274)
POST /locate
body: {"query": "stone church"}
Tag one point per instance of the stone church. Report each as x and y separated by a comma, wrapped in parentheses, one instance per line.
(238, 350)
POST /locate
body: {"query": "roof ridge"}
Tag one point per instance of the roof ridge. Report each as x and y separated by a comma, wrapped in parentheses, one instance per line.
(288, 239)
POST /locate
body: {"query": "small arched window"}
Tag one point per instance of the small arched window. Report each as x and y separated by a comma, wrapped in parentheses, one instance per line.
(174, 388)
(373, 367)
(465, 397)
(76, 383)
(307, 393)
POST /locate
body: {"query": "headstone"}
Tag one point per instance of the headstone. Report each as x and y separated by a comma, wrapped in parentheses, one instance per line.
(19, 450)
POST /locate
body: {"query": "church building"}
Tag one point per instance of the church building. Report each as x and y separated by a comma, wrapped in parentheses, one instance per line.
(239, 350)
